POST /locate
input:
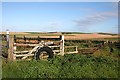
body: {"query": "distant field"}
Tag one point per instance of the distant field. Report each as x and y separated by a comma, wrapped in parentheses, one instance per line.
(68, 35)
(108, 34)
(89, 36)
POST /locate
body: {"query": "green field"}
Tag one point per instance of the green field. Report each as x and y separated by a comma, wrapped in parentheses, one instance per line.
(100, 64)
(69, 66)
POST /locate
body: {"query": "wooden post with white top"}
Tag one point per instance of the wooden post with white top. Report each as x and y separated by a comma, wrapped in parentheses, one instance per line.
(9, 45)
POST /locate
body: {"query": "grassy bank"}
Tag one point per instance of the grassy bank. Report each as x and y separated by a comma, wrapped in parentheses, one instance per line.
(69, 66)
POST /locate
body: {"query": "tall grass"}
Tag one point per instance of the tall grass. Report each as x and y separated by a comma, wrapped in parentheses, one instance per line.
(69, 66)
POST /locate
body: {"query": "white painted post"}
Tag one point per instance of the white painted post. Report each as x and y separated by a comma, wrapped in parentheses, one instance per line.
(8, 44)
(7, 36)
(62, 46)
(14, 44)
(15, 47)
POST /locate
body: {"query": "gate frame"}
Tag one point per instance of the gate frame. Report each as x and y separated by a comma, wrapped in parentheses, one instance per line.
(13, 47)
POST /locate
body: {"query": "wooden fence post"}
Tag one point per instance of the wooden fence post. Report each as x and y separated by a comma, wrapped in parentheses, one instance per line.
(9, 45)
(14, 38)
(38, 39)
(62, 45)
(24, 39)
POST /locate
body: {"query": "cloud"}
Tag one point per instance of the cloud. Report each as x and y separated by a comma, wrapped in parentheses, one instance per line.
(54, 26)
(95, 18)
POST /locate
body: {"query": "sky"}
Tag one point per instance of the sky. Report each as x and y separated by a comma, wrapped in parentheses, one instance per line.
(60, 16)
